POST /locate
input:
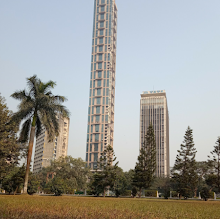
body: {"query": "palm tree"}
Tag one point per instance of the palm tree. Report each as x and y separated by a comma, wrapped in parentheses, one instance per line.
(38, 107)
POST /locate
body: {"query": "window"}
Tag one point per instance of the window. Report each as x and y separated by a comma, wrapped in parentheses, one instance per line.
(107, 74)
(106, 40)
(99, 74)
(91, 67)
(95, 48)
(89, 101)
(93, 101)
(103, 1)
(104, 84)
(106, 100)
(108, 56)
(87, 137)
(106, 48)
(102, 8)
(100, 48)
(106, 23)
(105, 56)
(102, 24)
(107, 82)
(93, 92)
(99, 91)
(90, 147)
(98, 100)
(104, 74)
(91, 138)
(89, 110)
(94, 76)
(103, 101)
(103, 91)
(93, 42)
(92, 59)
(88, 129)
(96, 137)
(99, 83)
(91, 76)
(107, 91)
(96, 41)
(102, 124)
(87, 156)
(100, 57)
(101, 40)
(91, 118)
(94, 82)
(105, 65)
(90, 158)
(96, 147)
(107, 16)
(97, 118)
(106, 118)
(97, 109)
(99, 65)
(102, 118)
(91, 128)
(101, 32)
(94, 66)
(93, 110)
(96, 128)
(106, 32)
(95, 159)
(102, 16)
(95, 59)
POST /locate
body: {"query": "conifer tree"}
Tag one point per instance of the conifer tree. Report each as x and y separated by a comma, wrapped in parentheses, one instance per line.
(184, 170)
(105, 175)
(145, 167)
(215, 163)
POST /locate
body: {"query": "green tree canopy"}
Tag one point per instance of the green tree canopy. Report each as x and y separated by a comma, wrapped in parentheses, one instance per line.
(9, 147)
(38, 108)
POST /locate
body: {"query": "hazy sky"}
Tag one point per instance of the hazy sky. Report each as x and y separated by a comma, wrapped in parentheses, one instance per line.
(172, 45)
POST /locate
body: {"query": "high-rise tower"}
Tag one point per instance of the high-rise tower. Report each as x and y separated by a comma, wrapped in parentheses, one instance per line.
(102, 80)
(154, 110)
(46, 151)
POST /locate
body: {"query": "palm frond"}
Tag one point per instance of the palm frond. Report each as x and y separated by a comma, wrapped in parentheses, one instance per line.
(22, 114)
(25, 130)
(20, 95)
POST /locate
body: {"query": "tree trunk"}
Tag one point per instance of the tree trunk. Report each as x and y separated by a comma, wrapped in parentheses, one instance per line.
(140, 193)
(16, 190)
(30, 148)
(104, 193)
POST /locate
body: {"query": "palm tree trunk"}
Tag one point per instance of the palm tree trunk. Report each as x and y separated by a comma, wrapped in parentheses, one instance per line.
(30, 148)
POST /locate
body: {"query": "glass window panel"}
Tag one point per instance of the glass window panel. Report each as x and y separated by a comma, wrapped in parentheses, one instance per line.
(98, 109)
(98, 100)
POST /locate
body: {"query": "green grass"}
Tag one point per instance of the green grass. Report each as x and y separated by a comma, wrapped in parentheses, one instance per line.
(51, 207)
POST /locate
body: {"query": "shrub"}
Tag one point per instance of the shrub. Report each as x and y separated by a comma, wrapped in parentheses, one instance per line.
(151, 193)
(206, 194)
(126, 193)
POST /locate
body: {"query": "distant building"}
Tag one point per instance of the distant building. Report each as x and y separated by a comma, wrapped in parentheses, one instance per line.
(100, 126)
(154, 109)
(46, 151)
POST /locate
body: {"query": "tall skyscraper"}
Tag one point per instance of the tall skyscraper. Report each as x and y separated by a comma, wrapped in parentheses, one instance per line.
(46, 151)
(102, 80)
(154, 110)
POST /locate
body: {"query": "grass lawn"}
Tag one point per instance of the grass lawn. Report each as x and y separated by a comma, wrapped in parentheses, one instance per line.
(25, 206)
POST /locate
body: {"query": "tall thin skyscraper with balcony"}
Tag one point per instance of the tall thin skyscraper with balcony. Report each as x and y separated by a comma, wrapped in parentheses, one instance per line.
(100, 127)
(154, 110)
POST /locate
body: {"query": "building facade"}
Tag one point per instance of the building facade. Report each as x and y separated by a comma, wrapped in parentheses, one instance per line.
(154, 110)
(100, 127)
(46, 151)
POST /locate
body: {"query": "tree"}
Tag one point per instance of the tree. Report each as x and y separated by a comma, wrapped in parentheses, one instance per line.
(105, 175)
(33, 184)
(184, 170)
(69, 174)
(38, 107)
(14, 179)
(215, 163)
(205, 193)
(144, 171)
(9, 147)
(121, 182)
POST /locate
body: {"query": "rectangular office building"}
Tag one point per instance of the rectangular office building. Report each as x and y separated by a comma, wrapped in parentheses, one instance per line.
(46, 151)
(154, 110)
(100, 127)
